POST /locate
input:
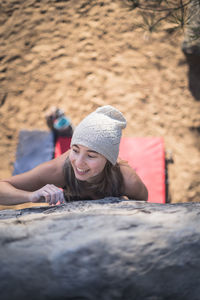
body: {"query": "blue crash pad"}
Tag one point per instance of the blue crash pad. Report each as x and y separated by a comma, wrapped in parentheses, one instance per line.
(34, 147)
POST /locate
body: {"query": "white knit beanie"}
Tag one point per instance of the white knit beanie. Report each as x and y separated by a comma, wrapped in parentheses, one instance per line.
(101, 131)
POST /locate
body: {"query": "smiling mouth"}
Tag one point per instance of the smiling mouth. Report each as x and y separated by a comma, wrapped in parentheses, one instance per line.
(81, 171)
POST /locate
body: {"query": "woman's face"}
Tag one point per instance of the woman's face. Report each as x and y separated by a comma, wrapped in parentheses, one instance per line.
(85, 162)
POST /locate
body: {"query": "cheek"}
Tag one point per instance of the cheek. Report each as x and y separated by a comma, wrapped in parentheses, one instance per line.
(71, 157)
(98, 166)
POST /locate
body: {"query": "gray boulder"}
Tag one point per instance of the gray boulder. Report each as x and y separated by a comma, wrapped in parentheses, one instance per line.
(105, 249)
(191, 43)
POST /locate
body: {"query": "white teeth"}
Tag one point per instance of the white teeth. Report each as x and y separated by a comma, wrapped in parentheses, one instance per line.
(81, 170)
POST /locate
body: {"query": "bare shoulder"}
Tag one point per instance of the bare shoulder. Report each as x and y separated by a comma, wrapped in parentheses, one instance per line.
(128, 173)
(134, 186)
(50, 172)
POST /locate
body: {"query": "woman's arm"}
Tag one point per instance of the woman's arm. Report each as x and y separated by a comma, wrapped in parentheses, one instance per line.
(40, 184)
(134, 187)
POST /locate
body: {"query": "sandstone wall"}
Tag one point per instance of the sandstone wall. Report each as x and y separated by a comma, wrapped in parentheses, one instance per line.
(107, 249)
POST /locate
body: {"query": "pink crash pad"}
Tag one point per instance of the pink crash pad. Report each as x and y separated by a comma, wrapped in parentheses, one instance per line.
(147, 156)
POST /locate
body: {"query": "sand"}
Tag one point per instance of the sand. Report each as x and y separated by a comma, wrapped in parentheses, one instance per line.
(78, 55)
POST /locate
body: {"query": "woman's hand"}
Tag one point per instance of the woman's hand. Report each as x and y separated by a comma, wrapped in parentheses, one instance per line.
(48, 193)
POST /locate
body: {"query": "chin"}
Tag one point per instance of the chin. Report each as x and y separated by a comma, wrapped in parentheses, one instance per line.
(81, 178)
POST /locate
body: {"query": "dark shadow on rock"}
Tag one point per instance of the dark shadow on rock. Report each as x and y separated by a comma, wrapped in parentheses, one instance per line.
(168, 161)
(194, 74)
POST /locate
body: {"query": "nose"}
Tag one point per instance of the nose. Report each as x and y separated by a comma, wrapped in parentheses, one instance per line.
(80, 161)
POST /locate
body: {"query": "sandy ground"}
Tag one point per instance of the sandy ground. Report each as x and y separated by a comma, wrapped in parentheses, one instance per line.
(81, 54)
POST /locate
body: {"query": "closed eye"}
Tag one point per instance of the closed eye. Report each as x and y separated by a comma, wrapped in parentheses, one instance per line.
(91, 156)
(75, 150)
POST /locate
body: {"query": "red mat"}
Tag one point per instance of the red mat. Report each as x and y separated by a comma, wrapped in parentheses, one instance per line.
(62, 145)
(145, 155)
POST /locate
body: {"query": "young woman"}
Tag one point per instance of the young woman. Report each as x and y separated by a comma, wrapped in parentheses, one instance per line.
(89, 170)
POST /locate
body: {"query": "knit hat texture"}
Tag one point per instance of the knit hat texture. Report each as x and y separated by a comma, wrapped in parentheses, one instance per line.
(101, 131)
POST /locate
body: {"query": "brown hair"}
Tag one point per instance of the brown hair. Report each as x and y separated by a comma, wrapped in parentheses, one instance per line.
(108, 183)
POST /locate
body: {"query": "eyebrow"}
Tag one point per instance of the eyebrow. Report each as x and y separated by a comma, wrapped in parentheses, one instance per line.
(92, 151)
(87, 150)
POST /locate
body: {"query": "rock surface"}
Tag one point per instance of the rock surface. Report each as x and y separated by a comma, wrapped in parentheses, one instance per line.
(105, 249)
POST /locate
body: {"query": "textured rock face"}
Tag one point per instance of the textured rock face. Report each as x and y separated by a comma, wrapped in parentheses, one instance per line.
(106, 249)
